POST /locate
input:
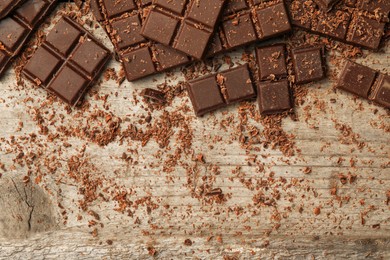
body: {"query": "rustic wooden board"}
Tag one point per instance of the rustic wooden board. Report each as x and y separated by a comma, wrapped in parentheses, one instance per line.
(45, 221)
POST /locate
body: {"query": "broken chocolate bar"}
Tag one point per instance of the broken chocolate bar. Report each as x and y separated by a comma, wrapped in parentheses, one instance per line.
(184, 25)
(16, 30)
(68, 62)
(218, 90)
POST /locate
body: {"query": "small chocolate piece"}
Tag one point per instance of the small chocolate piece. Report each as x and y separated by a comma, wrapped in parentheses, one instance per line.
(184, 25)
(6, 6)
(326, 5)
(274, 97)
(381, 91)
(218, 90)
(16, 30)
(123, 20)
(360, 23)
(309, 64)
(154, 95)
(246, 21)
(68, 62)
(357, 79)
(271, 61)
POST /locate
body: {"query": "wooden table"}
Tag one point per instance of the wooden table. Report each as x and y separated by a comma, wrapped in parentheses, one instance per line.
(66, 197)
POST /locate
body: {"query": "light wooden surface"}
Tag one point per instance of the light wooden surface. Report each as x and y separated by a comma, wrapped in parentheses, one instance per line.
(44, 220)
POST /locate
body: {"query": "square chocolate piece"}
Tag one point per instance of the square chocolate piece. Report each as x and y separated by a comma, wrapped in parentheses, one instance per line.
(236, 84)
(357, 79)
(381, 91)
(326, 5)
(309, 64)
(271, 61)
(274, 97)
(205, 95)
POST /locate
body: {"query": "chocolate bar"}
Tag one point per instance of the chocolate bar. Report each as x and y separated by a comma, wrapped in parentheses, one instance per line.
(246, 21)
(17, 29)
(361, 23)
(308, 63)
(184, 25)
(141, 57)
(6, 6)
(365, 82)
(274, 93)
(219, 90)
(68, 62)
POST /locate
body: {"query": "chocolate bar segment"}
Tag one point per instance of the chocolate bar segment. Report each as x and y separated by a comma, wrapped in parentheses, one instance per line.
(185, 25)
(141, 57)
(361, 23)
(68, 62)
(17, 29)
(271, 61)
(6, 6)
(218, 90)
(381, 91)
(274, 97)
(309, 64)
(245, 22)
(365, 82)
(357, 79)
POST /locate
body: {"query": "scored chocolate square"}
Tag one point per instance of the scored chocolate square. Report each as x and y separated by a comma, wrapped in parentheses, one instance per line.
(68, 62)
(357, 79)
(309, 64)
(271, 61)
(218, 90)
(185, 25)
(274, 97)
(381, 90)
(18, 27)
(141, 57)
(246, 21)
(6, 6)
(326, 5)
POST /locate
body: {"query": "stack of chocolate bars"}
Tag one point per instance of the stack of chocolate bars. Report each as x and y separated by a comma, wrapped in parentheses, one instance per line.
(152, 36)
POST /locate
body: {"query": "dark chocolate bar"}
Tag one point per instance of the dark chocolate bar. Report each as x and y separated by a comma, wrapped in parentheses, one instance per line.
(271, 61)
(308, 63)
(68, 62)
(247, 21)
(17, 29)
(361, 23)
(6, 6)
(141, 57)
(365, 82)
(274, 97)
(218, 90)
(184, 25)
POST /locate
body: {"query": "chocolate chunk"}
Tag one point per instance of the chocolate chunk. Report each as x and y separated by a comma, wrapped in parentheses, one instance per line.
(271, 61)
(154, 95)
(245, 22)
(326, 5)
(216, 91)
(185, 25)
(309, 64)
(6, 6)
(381, 91)
(361, 23)
(357, 79)
(68, 62)
(123, 20)
(16, 30)
(274, 97)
